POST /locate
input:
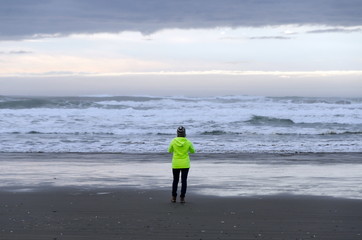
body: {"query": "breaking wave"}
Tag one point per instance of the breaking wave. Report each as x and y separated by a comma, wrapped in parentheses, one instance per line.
(146, 123)
(342, 133)
(215, 132)
(262, 120)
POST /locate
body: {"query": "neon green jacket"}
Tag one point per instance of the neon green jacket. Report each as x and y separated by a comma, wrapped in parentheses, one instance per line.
(181, 147)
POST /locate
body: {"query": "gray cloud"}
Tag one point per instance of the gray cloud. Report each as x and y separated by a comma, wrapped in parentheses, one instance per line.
(269, 37)
(16, 52)
(336, 30)
(22, 18)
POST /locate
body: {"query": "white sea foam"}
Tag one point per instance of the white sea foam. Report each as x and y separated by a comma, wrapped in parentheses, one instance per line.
(146, 124)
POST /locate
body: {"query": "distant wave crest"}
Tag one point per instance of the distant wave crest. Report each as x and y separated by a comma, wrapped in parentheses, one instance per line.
(215, 132)
(64, 133)
(71, 102)
(342, 133)
(262, 120)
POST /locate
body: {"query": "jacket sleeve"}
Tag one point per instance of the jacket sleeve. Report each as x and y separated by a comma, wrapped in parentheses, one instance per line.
(191, 149)
(170, 147)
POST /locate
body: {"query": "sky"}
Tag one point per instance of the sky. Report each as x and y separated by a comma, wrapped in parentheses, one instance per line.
(183, 47)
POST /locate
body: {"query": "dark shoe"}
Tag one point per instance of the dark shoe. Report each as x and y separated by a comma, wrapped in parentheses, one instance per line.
(173, 199)
(182, 200)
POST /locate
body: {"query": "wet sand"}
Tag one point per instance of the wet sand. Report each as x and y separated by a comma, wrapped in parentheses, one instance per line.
(127, 213)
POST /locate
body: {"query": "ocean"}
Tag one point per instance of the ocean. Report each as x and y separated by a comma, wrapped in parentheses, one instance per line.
(139, 124)
(246, 145)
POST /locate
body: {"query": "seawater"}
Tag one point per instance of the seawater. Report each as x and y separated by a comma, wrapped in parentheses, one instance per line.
(233, 174)
(146, 124)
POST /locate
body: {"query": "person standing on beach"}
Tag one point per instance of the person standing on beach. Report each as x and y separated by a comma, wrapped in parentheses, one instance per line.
(180, 147)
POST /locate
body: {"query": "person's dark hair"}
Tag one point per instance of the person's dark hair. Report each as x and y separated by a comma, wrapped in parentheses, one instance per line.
(181, 131)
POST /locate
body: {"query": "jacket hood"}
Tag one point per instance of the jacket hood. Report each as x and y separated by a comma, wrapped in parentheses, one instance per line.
(180, 141)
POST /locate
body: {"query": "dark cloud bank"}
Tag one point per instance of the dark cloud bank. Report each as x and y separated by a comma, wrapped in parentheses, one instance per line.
(23, 18)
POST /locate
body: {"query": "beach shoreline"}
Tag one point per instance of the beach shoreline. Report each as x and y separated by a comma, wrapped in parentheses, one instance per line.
(129, 213)
(229, 174)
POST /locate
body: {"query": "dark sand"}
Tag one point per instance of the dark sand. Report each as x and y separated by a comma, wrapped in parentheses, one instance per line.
(148, 214)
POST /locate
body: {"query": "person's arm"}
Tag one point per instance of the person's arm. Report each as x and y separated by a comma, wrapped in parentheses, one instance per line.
(191, 149)
(170, 148)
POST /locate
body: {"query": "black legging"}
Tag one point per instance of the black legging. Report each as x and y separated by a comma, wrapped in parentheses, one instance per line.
(176, 177)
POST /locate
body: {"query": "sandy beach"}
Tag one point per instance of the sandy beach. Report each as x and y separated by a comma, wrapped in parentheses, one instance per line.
(69, 213)
(127, 196)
